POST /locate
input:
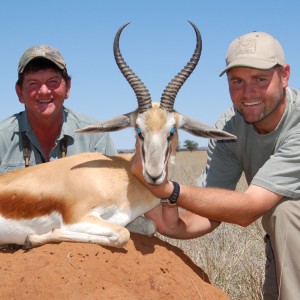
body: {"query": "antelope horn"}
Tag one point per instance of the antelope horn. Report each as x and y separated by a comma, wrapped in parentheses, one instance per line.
(170, 92)
(141, 92)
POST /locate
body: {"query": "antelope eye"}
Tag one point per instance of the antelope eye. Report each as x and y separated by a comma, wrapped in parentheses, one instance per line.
(139, 133)
(172, 131)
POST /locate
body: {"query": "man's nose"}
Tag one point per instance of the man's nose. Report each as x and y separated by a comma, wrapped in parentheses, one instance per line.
(249, 88)
(44, 89)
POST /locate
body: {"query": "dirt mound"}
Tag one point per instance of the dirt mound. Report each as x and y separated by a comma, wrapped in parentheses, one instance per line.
(147, 268)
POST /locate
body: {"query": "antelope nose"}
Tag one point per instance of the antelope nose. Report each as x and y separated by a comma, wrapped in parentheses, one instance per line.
(155, 179)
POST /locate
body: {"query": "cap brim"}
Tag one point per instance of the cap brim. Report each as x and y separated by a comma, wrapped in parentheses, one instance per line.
(250, 63)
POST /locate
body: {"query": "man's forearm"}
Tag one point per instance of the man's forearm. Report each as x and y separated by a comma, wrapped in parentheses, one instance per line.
(222, 205)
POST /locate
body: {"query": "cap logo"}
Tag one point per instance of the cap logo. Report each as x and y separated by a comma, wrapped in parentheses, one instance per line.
(247, 46)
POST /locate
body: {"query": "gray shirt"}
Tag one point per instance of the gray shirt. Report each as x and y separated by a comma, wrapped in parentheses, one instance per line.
(11, 145)
(271, 161)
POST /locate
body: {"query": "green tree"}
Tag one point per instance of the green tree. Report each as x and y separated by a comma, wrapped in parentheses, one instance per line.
(190, 145)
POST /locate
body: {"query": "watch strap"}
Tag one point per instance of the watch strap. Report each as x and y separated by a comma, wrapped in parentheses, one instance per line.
(172, 200)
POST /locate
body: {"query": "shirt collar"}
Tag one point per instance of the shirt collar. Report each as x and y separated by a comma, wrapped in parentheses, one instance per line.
(66, 129)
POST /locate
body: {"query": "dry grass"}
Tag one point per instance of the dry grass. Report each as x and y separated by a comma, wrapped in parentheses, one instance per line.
(232, 256)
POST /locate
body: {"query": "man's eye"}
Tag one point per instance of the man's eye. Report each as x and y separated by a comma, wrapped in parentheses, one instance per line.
(53, 84)
(33, 84)
(237, 81)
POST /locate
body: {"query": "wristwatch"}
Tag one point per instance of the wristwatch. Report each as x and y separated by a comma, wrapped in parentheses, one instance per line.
(171, 201)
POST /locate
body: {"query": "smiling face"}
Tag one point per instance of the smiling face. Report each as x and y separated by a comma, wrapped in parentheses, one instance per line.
(43, 92)
(259, 95)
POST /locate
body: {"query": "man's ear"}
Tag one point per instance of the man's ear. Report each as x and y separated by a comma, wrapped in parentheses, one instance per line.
(19, 93)
(286, 75)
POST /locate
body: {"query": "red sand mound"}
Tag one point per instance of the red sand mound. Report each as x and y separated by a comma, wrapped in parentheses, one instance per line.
(147, 268)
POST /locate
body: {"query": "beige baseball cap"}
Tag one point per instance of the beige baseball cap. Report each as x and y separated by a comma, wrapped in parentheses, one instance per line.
(43, 51)
(258, 50)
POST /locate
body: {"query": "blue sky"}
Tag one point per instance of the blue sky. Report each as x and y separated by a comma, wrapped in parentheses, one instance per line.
(157, 44)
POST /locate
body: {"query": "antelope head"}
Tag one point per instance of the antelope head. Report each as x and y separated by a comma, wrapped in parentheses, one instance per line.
(156, 124)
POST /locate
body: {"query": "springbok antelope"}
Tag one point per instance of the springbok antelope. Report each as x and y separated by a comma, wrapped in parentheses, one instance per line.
(90, 197)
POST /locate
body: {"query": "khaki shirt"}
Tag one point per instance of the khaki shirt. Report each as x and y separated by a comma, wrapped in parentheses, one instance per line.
(11, 146)
(271, 161)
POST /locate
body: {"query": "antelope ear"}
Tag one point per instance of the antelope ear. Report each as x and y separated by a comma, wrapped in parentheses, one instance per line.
(196, 128)
(114, 124)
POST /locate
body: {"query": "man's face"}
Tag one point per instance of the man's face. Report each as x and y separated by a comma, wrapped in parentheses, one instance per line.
(259, 95)
(43, 93)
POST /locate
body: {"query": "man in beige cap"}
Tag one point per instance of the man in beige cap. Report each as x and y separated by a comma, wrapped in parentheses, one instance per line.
(265, 117)
(45, 129)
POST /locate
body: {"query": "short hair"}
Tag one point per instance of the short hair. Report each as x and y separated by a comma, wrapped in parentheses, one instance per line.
(279, 69)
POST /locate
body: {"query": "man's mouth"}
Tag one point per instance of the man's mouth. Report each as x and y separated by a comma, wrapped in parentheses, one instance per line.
(252, 103)
(45, 101)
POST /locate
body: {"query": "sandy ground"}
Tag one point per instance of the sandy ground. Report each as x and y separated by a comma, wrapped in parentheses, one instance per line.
(147, 268)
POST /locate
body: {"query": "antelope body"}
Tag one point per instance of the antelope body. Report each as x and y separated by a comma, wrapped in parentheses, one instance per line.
(90, 197)
(87, 197)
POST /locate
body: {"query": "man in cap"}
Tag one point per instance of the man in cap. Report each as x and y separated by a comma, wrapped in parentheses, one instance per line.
(265, 118)
(45, 129)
